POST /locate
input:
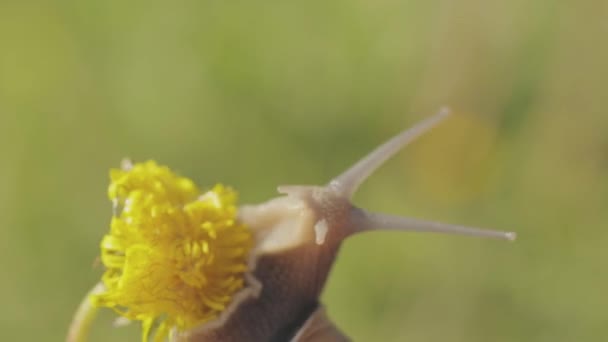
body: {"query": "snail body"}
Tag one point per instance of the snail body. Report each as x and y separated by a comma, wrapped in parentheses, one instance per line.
(296, 238)
(291, 266)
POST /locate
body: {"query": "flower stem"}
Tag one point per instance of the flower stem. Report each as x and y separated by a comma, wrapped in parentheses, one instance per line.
(81, 323)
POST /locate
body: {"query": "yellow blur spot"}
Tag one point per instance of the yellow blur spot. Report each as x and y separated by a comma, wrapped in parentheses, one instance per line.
(458, 163)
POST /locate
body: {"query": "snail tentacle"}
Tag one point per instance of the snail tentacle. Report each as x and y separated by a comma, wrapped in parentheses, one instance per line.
(348, 182)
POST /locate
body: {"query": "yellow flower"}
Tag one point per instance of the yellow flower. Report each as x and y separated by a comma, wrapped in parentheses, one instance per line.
(174, 257)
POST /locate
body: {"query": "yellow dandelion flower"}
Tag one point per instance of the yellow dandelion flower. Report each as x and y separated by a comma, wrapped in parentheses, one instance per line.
(174, 257)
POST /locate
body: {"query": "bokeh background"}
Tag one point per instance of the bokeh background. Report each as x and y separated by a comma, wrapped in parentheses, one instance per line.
(259, 93)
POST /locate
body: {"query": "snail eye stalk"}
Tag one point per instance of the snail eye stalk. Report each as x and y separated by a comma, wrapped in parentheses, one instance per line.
(349, 181)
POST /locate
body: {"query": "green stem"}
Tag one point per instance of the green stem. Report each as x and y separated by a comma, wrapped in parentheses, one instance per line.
(81, 324)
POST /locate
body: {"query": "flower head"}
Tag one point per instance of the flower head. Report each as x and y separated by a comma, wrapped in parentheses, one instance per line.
(174, 257)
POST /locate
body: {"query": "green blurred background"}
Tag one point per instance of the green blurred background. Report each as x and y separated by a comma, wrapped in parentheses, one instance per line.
(260, 93)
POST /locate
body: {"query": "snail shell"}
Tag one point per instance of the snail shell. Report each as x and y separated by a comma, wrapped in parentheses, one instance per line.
(297, 239)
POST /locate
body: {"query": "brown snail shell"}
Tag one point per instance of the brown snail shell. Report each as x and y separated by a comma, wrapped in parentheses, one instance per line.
(318, 328)
(297, 239)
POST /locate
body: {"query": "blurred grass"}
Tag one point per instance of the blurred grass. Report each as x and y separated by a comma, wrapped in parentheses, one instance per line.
(256, 94)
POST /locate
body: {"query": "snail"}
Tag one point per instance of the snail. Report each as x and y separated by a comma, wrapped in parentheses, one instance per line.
(192, 266)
